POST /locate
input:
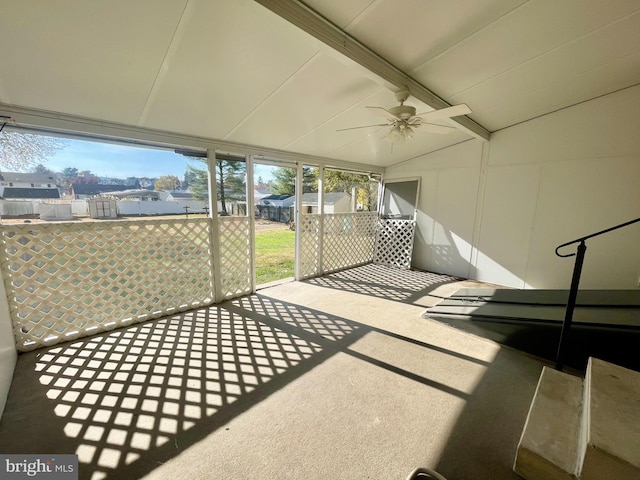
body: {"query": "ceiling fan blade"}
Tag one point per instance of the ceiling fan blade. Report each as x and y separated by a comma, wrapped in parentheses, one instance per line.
(364, 126)
(433, 128)
(448, 112)
(383, 112)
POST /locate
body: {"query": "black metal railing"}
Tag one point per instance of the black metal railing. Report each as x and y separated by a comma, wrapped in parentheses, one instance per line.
(575, 282)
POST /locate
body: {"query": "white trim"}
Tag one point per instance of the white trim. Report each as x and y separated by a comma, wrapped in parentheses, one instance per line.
(64, 125)
(402, 180)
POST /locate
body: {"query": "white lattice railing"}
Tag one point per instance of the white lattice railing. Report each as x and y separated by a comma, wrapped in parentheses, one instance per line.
(68, 280)
(235, 256)
(348, 241)
(394, 242)
(309, 251)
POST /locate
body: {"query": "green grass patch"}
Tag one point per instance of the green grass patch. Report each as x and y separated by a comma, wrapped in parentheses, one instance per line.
(275, 253)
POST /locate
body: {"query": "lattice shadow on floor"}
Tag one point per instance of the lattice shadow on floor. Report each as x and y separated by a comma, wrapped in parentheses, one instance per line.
(385, 282)
(121, 399)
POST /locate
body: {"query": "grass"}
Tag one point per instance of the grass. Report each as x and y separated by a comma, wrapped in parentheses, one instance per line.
(275, 253)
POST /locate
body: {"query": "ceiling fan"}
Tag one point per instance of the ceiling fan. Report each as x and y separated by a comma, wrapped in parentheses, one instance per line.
(403, 119)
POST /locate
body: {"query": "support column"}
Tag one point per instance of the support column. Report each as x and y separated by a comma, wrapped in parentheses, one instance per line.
(251, 213)
(321, 220)
(298, 218)
(214, 233)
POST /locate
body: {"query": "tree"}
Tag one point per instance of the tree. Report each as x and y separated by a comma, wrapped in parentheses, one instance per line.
(69, 172)
(41, 169)
(167, 182)
(24, 151)
(196, 177)
(261, 184)
(366, 191)
(284, 181)
(230, 181)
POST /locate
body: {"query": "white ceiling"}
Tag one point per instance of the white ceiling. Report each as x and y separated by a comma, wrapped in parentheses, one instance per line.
(233, 70)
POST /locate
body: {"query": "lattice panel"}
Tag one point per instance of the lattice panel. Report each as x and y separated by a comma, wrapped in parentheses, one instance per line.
(309, 231)
(69, 280)
(394, 242)
(235, 256)
(348, 240)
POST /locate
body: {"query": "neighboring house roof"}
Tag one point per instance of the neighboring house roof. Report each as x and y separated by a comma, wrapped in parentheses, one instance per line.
(139, 192)
(15, 177)
(329, 198)
(96, 188)
(183, 195)
(15, 192)
(276, 197)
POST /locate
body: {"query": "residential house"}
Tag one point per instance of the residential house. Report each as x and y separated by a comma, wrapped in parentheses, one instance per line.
(277, 200)
(28, 186)
(82, 191)
(334, 202)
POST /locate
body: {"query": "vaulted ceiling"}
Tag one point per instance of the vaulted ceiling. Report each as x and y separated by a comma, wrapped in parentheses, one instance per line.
(260, 73)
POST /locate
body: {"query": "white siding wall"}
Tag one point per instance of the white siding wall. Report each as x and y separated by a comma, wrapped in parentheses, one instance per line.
(495, 212)
(8, 353)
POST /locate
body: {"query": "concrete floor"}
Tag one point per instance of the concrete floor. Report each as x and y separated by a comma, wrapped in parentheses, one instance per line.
(338, 377)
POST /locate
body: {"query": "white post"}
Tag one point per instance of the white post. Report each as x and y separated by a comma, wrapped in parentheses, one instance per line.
(251, 213)
(214, 233)
(321, 220)
(354, 199)
(298, 217)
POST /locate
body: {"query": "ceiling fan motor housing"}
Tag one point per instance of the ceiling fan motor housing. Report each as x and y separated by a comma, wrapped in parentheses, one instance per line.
(403, 111)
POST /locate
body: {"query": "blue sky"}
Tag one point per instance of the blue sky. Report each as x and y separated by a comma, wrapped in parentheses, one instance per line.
(119, 161)
(122, 161)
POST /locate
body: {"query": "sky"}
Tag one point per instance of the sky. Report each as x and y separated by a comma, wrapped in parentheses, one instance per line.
(122, 161)
(119, 161)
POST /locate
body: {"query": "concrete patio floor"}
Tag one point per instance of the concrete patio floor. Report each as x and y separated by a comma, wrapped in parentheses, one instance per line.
(337, 377)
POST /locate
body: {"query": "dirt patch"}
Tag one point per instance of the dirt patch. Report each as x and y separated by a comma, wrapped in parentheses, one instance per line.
(262, 224)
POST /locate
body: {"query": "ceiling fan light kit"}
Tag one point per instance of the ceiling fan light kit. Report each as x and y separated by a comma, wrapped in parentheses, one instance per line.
(403, 119)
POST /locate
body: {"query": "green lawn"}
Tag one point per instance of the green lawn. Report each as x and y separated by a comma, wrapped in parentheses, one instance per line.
(275, 252)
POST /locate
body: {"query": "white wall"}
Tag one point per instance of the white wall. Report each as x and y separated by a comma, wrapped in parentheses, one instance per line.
(446, 207)
(8, 353)
(496, 212)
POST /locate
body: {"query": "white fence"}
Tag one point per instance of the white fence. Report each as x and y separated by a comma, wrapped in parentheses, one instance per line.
(23, 208)
(80, 208)
(17, 208)
(132, 207)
